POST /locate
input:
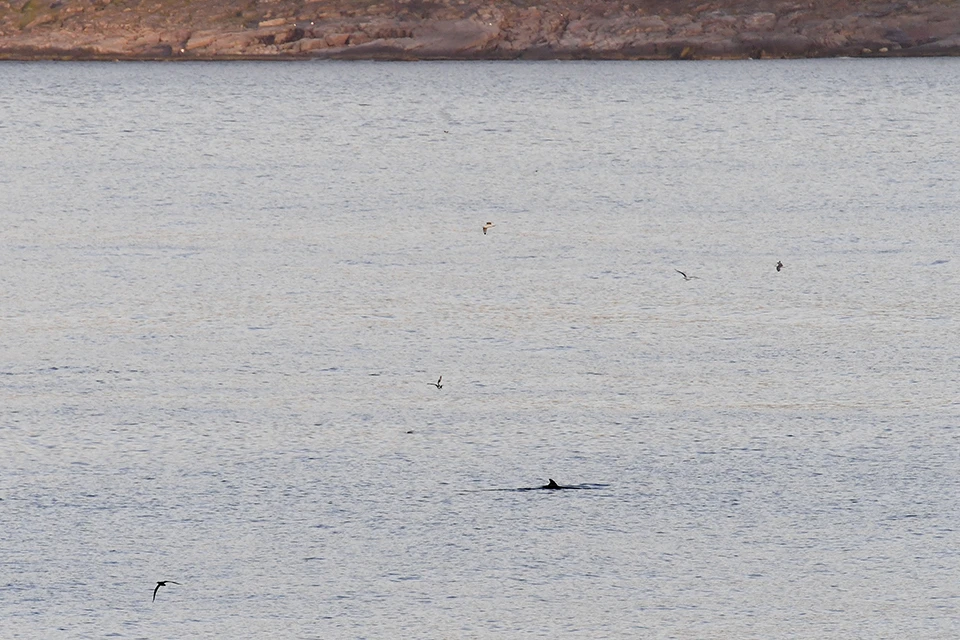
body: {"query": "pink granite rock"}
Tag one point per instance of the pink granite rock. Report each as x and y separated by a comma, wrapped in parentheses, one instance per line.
(411, 29)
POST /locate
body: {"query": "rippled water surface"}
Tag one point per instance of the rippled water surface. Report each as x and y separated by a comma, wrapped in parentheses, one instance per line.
(226, 289)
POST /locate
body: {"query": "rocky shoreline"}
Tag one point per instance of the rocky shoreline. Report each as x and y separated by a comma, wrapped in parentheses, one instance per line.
(474, 30)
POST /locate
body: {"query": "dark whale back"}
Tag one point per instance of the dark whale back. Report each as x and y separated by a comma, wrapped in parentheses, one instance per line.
(551, 485)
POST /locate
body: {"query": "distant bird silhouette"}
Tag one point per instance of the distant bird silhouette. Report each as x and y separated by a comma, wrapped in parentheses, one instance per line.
(161, 583)
(487, 226)
(437, 383)
(551, 485)
(685, 276)
(779, 265)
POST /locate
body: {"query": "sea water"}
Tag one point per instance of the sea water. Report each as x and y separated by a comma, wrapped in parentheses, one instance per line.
(227, 288)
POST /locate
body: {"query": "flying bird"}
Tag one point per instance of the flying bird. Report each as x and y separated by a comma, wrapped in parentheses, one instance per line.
(161, 583)
(779, 265)
(487, 226)
(437, 383)
(685, 276)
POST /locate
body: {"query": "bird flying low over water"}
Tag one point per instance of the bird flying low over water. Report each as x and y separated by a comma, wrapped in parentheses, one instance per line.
(437, 383)
(779, 265)
(161, 583)
(685, 276)
(487, 226)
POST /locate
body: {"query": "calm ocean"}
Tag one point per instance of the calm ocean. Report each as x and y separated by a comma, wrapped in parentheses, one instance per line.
(227, 287)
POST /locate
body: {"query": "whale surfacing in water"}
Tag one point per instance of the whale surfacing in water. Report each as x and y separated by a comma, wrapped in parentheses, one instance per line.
(553, 486)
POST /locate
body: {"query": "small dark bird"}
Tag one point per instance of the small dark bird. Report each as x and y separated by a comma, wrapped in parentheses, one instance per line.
(779, 265)
(437, 383)
(685, 276)
(551, 485)
(162, 583)
(487, 226)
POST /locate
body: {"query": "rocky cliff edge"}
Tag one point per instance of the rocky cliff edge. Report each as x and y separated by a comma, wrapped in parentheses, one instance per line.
(471, 29)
